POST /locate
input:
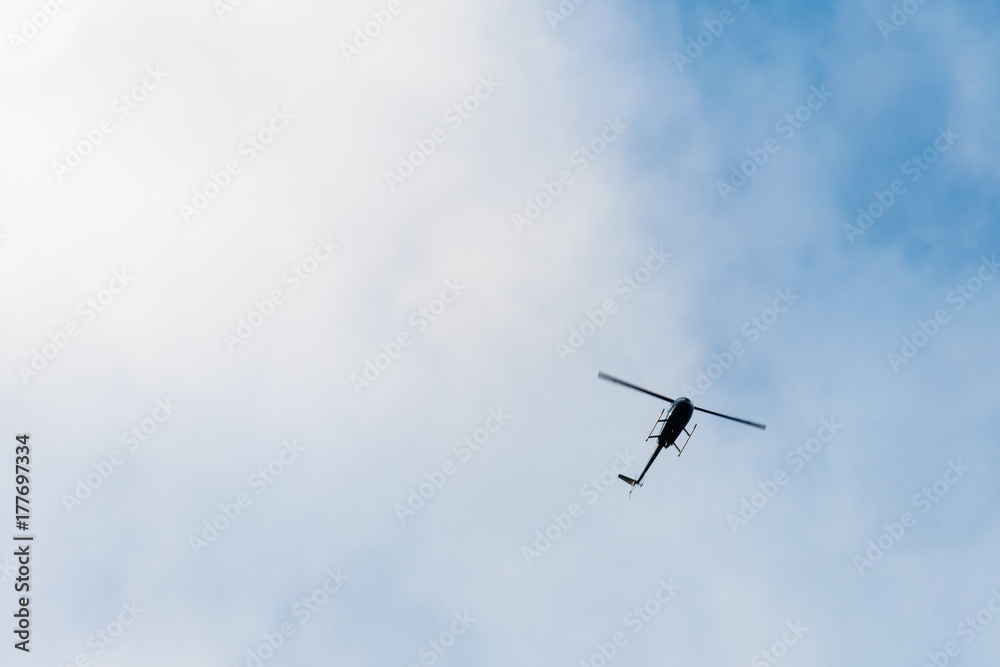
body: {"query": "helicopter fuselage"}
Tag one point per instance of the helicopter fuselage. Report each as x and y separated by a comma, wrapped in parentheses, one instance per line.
(674, 420)
(677, 418)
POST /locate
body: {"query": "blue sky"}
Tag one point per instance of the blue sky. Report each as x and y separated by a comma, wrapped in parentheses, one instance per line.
(346, 456)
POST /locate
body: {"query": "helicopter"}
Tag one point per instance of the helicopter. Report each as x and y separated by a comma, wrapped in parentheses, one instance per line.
(674, 420)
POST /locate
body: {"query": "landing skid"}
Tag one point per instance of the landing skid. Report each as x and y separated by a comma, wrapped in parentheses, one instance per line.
(661, 420)
(680, 450)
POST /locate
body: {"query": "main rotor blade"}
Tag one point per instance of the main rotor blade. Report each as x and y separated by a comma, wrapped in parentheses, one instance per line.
(735, 419)
(609, 378)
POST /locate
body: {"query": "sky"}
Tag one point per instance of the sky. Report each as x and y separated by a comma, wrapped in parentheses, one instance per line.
(303, 307)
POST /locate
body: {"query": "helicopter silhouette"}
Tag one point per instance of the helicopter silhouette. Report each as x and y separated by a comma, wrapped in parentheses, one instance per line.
(674, 420)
